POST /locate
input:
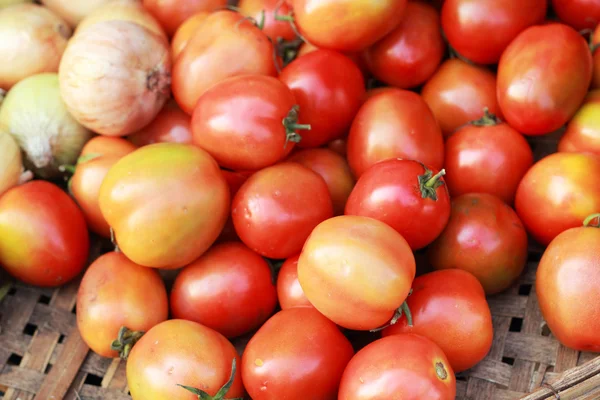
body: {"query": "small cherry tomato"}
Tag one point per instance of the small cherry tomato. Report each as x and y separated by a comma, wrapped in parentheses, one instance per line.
(265, 12)
(106, 146)
(289, 291)
(185, 32)
(172, 13)
(580, 14)
(171, 125)
(583, 131)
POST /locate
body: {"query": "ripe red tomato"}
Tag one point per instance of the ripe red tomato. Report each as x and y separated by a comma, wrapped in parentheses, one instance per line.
(166, 202)
(228, 289)
(480, 30)
(289, 291)
(106, 146)
(170, 125)
(404, 366)
(487, 156)
(328, 87)
(224, 45)
(484, 237)
(265, 11)
(407, 196)
(43, 237)
(179, 352)
(580, 14)
(458, 93)
(356, 270)
(276, 209)
(557, 193)
(409, 55)
(306, 48)
(394, 124)
(543, 77)
(583, 131)
(567, 282)
(334, 169)
(172, 13)
(347, 25)
(116, 292)
(449, 307)
(298, 354)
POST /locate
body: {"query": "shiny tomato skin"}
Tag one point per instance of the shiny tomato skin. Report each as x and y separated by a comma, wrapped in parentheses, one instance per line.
(228, 289)
(360, 263)
(390, 191)
(485, 237)
(486, 159)
(107, 146)
(179, 352)
(171, 125)
(480, 30)
(404, 366)
(185, 32)
(306, 48)
(394, 124)
(277, 208)
(289, 291)
(172, 13)
(166, 202)
(557, 193)
(269, 9)
(105, 303)
(43, 236)
(297, 354)
(458, 93)
(543, 77)
(583, 131)
(409, 55)
(449, 307)
(328, 87)
(567, 281)
(580, 14)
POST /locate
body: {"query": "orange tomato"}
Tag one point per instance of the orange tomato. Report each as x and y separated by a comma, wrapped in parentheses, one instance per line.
(171, 125)
(172, 13)
(185, 32)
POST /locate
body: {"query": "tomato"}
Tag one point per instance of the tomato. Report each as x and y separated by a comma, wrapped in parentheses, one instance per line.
(449, 307)
(480, 30)
(406, 195)
(484, 237)
(580, 14)
(228, 289)
(458, 93)
(583, 131)
(557, 193)
(596, 58)
(171, 125)
(328, 87)
(394, 124)
(235, 180)
(185, 32)
(306, 48)
(224, 45)
(346, 25)
(567, 282)
(106, 146)
(543, 77)
(166, 202)
(487, 156)
(338, 146)
(43, 236)
(298, 354)
(265, 11)
(289, 291)
(334, 169)
(179, 352)
(375, 91)
(172, 13)
(116, 292)
(409, 55)
(404, 366)
(356, 270)
(276, 209)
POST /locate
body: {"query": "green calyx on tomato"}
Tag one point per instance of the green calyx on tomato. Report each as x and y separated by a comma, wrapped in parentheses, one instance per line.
(488, 119)
(202, 395)
(592, 221)
(125, 341)
(428, 183)
(291, 126)
(403, 309)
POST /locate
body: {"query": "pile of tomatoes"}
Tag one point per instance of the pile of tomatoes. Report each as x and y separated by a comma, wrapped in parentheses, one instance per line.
(323, 206)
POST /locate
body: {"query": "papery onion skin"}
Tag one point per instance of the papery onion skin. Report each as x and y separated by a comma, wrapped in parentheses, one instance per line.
(171, 125)
(172, 13)
(185, 32)
(34, 114)
(10, 162)
(115, 77)
(33, 41)
(73, 11)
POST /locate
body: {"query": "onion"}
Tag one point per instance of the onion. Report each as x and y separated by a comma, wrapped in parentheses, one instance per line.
(6, 3)
(73, 11)
(33, 40)
(115, 77)
(34, 114)
(10, 162)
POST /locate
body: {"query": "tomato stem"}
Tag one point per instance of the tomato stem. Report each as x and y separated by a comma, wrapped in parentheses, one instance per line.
(67, 168)
(290, 122)
(403, 309)
(125, 341)
(488, 119)
(429, 183)
(589, 221)
(88, 157)
(202, 395)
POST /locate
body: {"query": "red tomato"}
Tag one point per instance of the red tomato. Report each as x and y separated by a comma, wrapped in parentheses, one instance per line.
(487, 156)
(557, 193)
(407, 196)
(458, 93)
(106, 146)
(265, 11)
(410, 54)
(596, 58)
(235, 180)
(583, 131)
(346, 25)
(179, 352)
(328, 87)
(356, 270)
(276, 209)
(166, 202)
(338, 146)
(404, 366)
(170, 125)
(306, 48)
(289, 291)
(185, 32)
(394, 124)
(449, 307)
(567, 282)
(224, 45)
(543, 77)
(298, 354)
(172, 13)
(43, 236)
(334, 169)
(580, 14)
(105, 303)
(480, 30)
(484, 237)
